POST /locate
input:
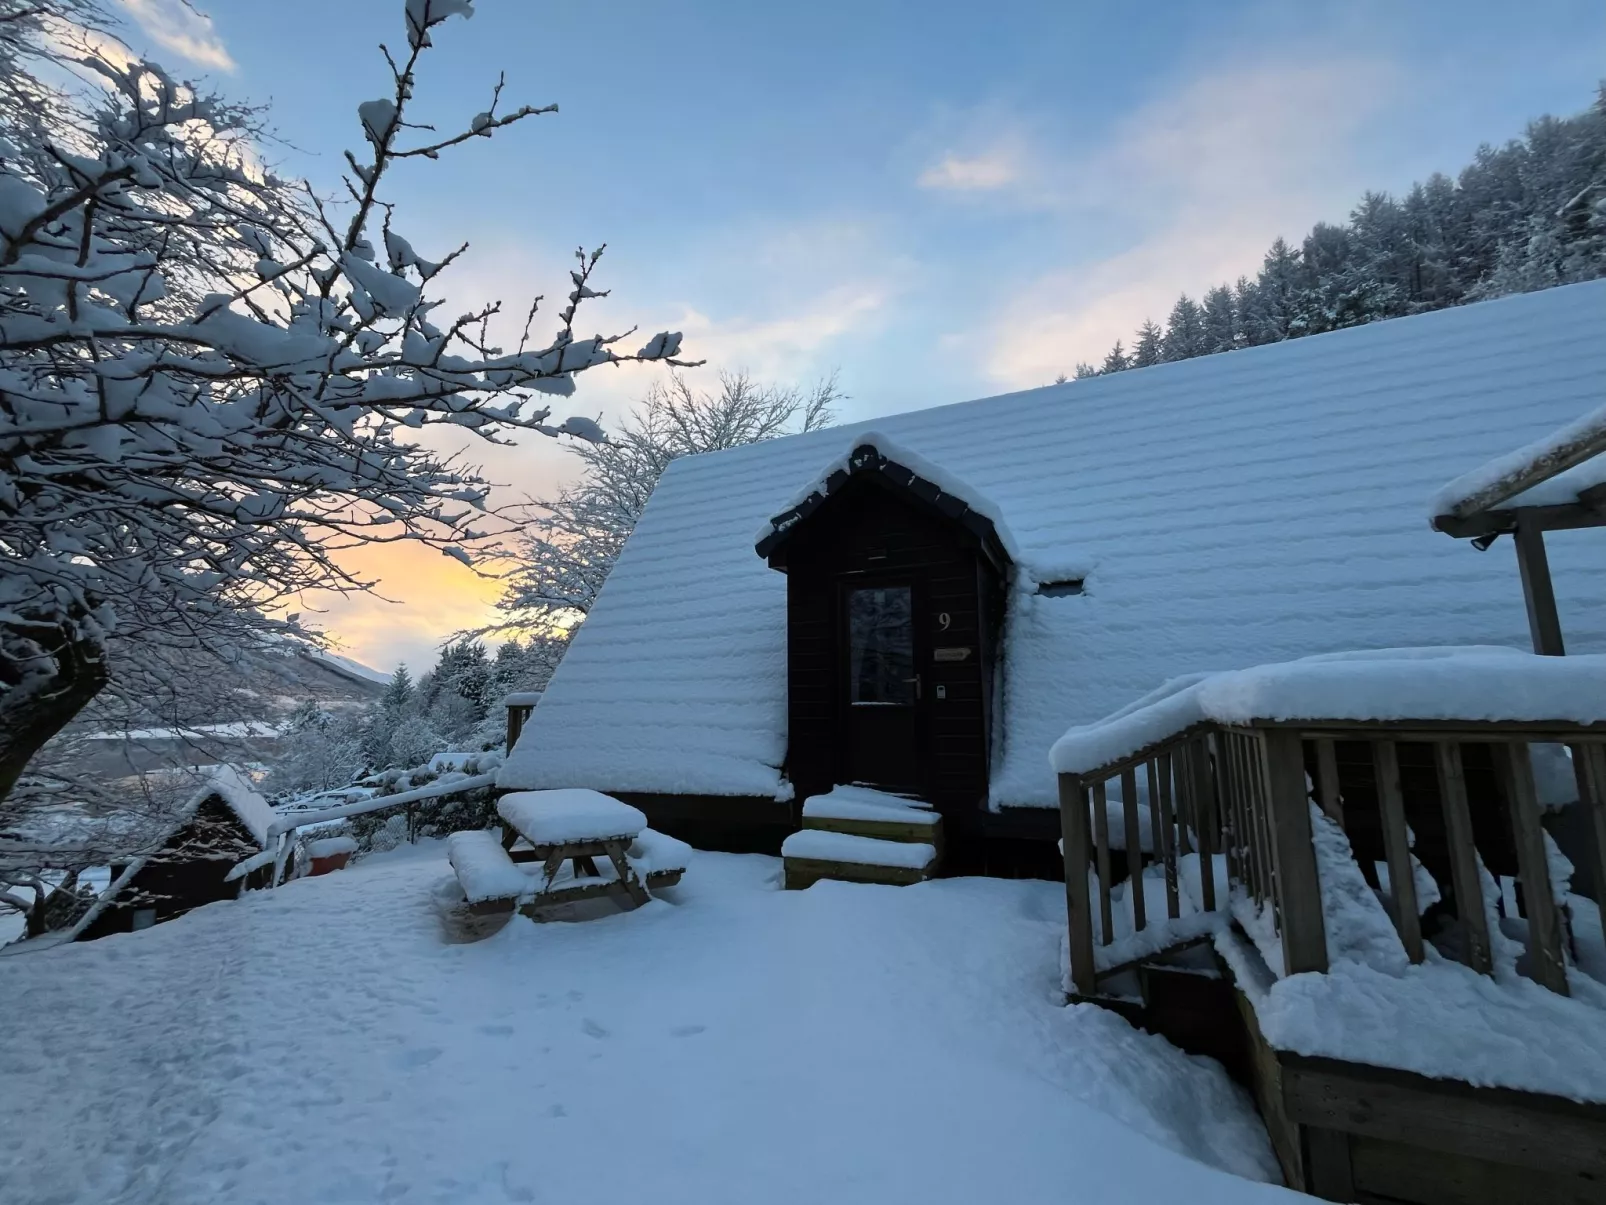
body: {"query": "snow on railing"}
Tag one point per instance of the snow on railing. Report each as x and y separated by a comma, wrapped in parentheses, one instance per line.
(1282, 823)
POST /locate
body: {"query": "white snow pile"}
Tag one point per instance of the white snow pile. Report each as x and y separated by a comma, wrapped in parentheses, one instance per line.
(821, 845)
(652, 852)
(740, 1043)
(1553, 451)
(927, 470)
(1474, 684)
(483, 868)
(1438, 1018)
(569, 814)
(862, 803)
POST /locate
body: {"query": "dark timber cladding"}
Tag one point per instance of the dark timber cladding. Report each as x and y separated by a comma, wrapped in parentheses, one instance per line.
(894, 603)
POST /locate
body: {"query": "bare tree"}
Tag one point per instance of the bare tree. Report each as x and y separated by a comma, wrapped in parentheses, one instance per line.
(569, 544)
(210, 380)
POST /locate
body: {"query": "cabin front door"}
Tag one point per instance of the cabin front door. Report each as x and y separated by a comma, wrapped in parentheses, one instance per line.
(883, 701)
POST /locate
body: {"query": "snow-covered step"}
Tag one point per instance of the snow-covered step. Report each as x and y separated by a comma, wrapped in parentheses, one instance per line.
(864, 812)
(813, 854)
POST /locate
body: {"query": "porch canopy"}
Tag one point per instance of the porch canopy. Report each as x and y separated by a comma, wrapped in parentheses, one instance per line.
(1553, 484)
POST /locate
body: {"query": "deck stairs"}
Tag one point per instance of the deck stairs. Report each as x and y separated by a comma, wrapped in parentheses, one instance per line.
(860, 835)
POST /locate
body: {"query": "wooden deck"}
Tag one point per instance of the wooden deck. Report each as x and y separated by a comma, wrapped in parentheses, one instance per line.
(1459, 800)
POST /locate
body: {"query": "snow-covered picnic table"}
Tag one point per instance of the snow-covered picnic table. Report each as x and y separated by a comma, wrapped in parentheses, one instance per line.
(565, 831)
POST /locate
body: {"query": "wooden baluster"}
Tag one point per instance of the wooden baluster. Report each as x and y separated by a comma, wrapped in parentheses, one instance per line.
(1515, 767)
(1204, 812)
(1246, 768)
(1268, 850)
(1180, 779)
(1327, 796)
(1134, 848)
(1589, 769)
(1227, 792)
(1465, 879)
(1160, 821)
(1101, 852)
(1397, 848)
(1077, 841)
(1299, 892)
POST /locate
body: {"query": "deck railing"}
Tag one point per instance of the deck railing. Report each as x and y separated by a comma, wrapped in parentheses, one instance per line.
(1239, 798)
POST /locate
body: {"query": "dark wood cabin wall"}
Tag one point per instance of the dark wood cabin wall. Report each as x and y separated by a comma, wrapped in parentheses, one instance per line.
(865, 531)
(185, 873)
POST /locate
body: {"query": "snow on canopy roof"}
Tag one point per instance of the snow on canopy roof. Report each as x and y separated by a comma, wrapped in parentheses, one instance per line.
(1550, 471)
(945, 491)
(1260, 505)
(1446, 683)
(238, 795)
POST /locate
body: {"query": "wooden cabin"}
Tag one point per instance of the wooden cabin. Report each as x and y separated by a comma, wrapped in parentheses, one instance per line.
(923, 604)
(188, 861)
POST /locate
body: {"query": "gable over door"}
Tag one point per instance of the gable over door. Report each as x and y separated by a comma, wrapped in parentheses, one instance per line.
(893, 611)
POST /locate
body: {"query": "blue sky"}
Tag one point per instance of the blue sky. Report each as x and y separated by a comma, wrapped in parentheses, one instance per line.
(941, 200)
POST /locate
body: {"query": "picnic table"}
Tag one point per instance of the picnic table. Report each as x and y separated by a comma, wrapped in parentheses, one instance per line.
(565, 832)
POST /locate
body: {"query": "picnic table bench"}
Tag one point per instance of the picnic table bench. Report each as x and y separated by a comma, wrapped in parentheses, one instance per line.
(565, 832)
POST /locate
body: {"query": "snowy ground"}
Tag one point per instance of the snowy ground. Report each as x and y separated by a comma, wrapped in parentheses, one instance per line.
(327, 1043)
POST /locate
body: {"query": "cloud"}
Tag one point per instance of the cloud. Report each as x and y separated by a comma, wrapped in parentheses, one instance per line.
(178, 26)
(1190, 190)
(982, 173)
(781, 347)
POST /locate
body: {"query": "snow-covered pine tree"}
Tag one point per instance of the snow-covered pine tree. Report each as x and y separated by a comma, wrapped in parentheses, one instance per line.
(1219, 321)
(1148, 347)
(1116, 361)
(1184, 330)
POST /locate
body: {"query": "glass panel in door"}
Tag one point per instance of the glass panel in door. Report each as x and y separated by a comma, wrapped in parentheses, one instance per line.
(881, 647)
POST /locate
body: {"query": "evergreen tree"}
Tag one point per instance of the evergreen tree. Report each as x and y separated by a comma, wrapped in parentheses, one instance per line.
(1116, 361)
(1219, 321)
(1083, 371)
(1184, 331)
(1526, 215)
(1148, 348)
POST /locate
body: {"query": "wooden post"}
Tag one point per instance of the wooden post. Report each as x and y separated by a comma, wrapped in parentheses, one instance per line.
(1397, 848)
(1134, 848)
(1160, 826)
(1464, 877)
(1101, 855)
(1205, 814)
(1589, 769)
(1548, 966)
(1294, 860)
(1544, 624)
(1327, 796)
(1076, 840)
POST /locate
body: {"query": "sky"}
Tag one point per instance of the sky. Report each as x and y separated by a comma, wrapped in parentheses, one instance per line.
(936, 200)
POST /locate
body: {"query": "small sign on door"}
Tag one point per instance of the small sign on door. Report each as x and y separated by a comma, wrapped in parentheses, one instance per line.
(951, 654)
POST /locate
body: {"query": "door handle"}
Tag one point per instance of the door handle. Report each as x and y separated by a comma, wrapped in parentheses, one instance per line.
(916, 681)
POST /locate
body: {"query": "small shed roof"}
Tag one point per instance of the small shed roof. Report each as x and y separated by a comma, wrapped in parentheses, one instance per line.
(1233, 510)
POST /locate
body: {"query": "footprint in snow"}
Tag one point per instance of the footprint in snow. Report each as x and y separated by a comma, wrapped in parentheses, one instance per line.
(688, 1031)
(496, 1031)
(418, 1058)
(591, 1027)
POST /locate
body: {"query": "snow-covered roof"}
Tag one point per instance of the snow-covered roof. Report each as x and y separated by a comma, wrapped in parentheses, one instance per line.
(238, 795)
(1228, 511)
(1473, 685)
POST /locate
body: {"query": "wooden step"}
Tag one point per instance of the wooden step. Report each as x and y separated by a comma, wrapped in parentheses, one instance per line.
(861, 812)
(814, 854)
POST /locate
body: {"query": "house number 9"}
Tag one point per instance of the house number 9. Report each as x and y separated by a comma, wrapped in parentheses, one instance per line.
(944, 621)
